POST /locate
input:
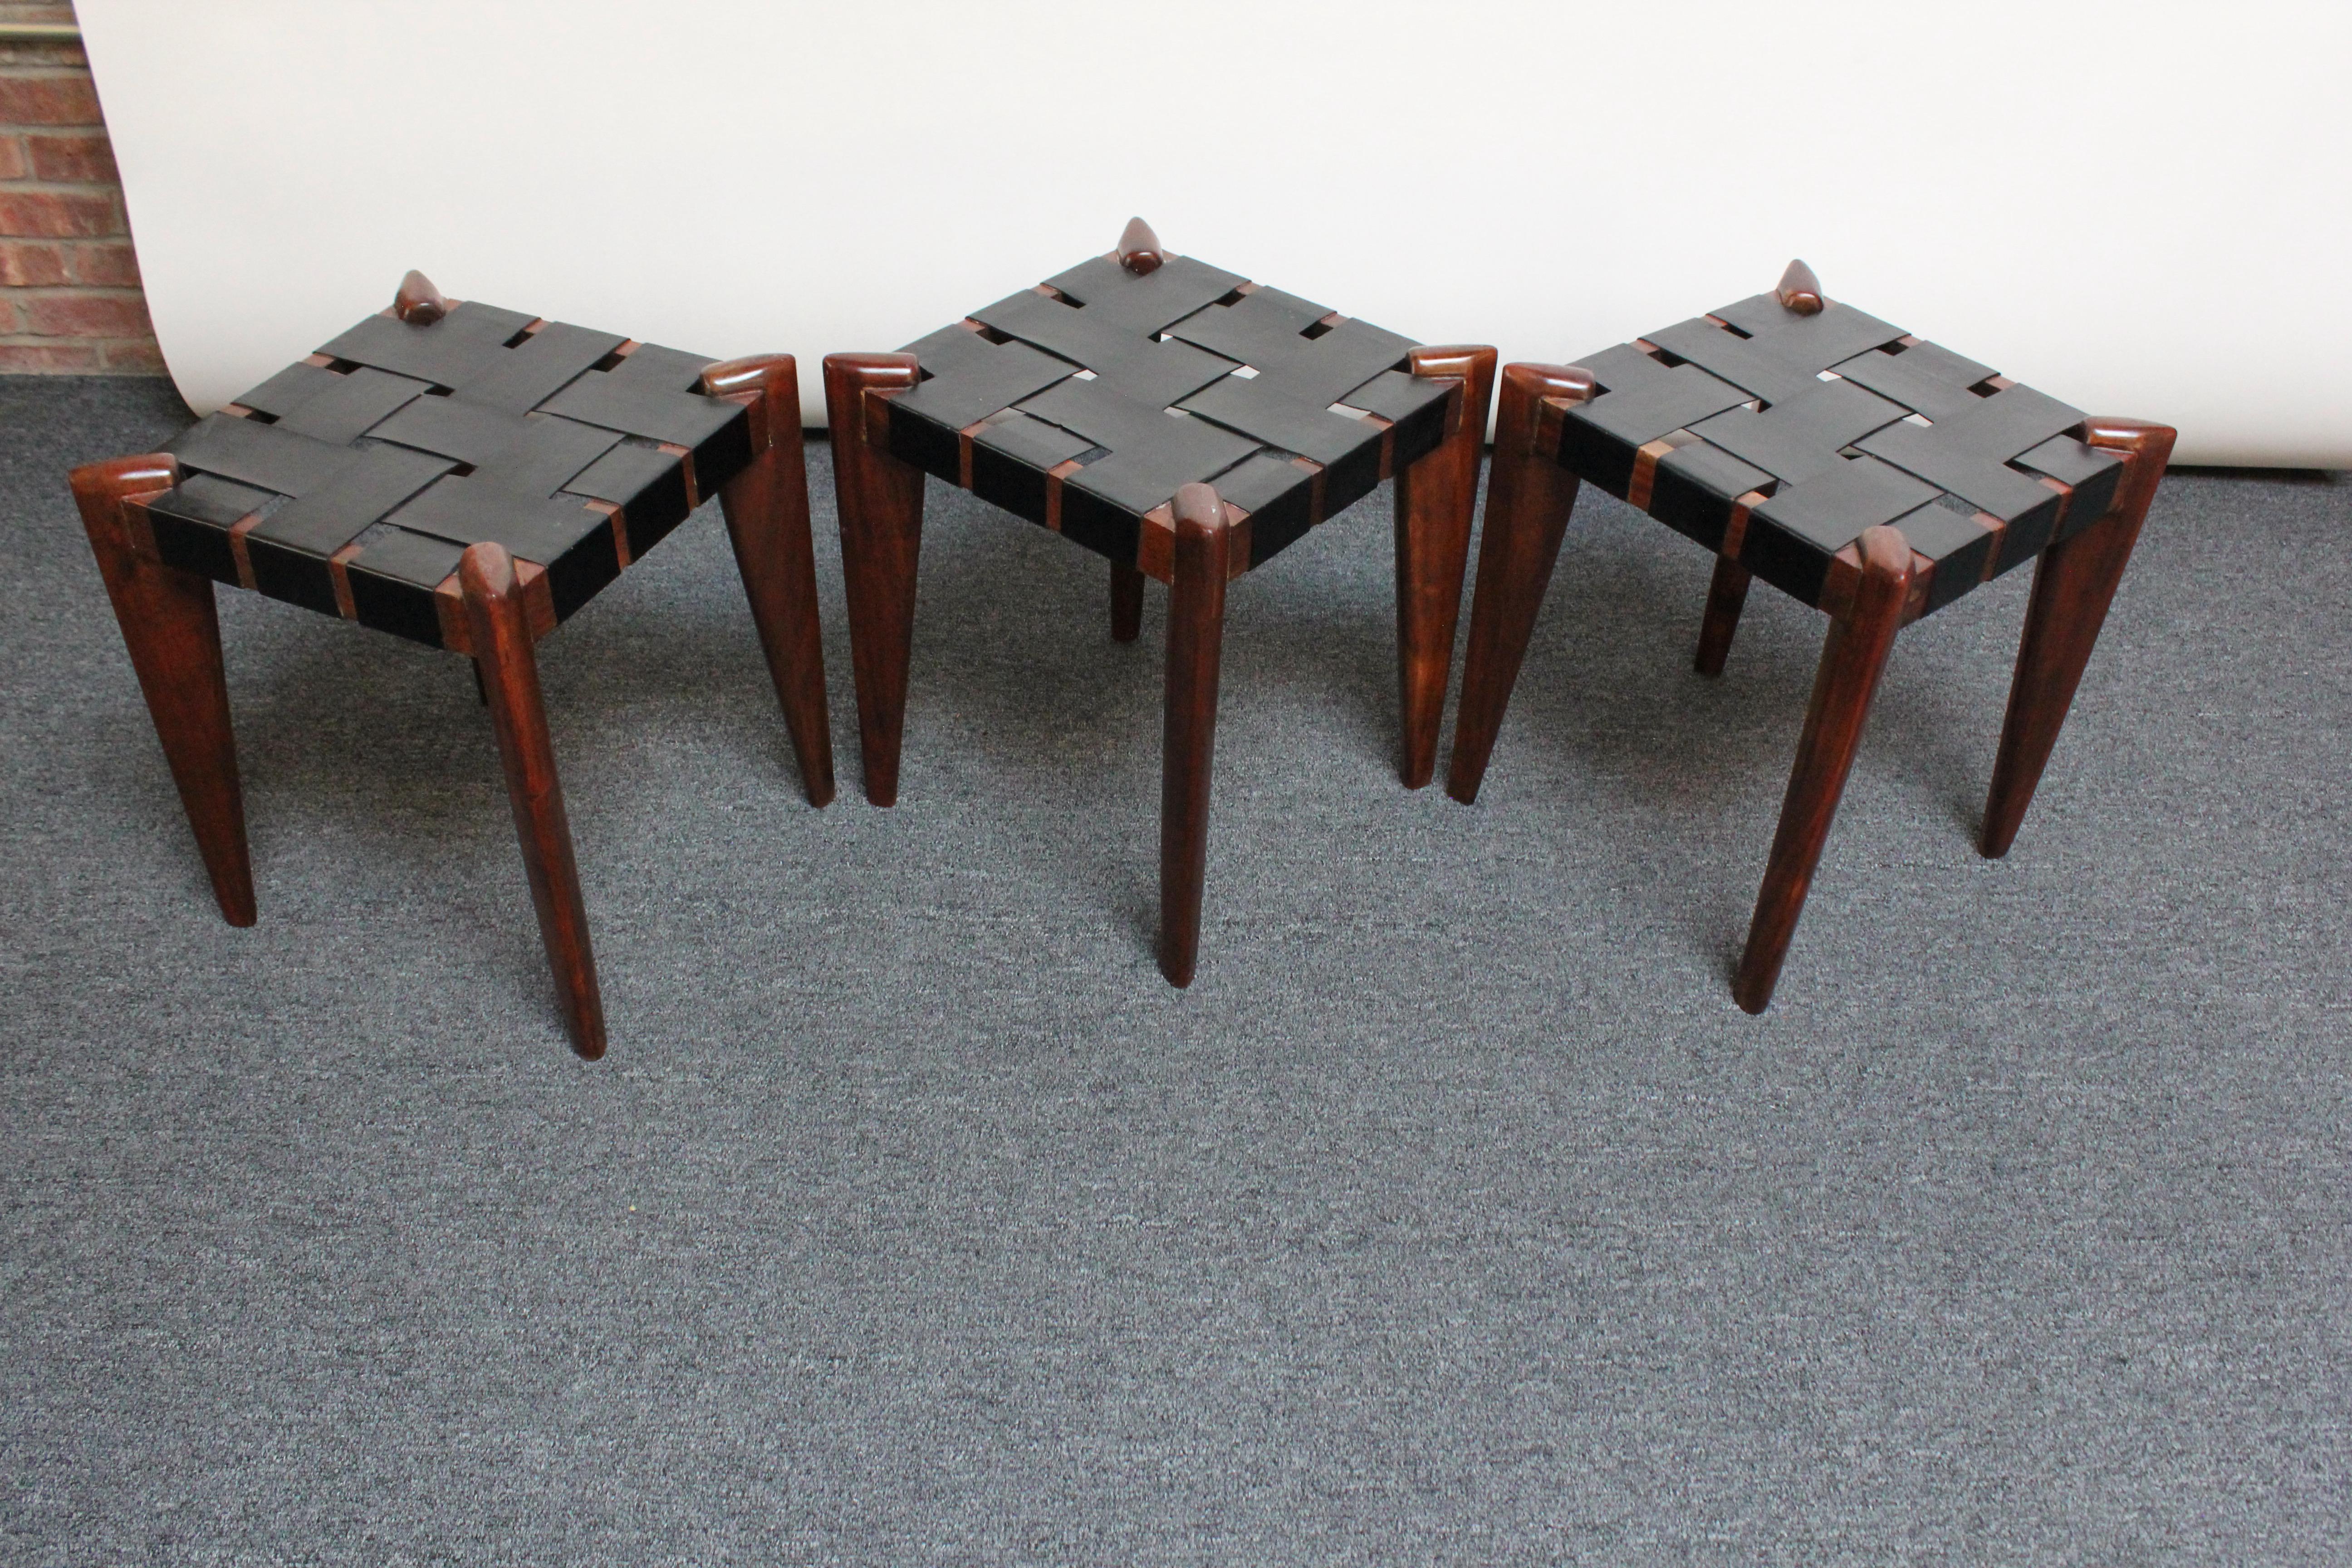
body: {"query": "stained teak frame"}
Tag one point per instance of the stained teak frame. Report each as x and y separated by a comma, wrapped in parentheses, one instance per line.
(1021, 438)
(2079, 529)
(492, 607)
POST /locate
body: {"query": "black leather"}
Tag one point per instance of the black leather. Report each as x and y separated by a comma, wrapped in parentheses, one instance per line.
(1187, 372)
(1842, 422)
(416, 441)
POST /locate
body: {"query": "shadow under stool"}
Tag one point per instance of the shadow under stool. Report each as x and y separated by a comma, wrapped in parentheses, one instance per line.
(463, 477)
(1187, 425)
(1870, 474)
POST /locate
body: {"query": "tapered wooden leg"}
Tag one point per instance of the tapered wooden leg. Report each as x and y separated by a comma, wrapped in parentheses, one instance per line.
(2074, 583)
(1528, 499)
(1724, 596)
(171, 627)
(881, 503)
(1851, 661)
(1126, 603)
(1435, 497)
(502, 650)
(1196, 632)
(768, 522)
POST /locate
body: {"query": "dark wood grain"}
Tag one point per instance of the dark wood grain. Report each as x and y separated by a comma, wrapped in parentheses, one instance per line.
(1528, 499)
(171, 628)
(1853, 659)
(1800, 291)
(881, 503)
(1724, 596)
(418, 302)
(1125, 602)
(1435, 497)
(502, 650)
(1196, 629)
(768, 523)
(2073, 584)
(1139, 248)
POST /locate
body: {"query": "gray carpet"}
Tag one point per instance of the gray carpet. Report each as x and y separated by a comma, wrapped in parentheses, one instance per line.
(1454, 1216)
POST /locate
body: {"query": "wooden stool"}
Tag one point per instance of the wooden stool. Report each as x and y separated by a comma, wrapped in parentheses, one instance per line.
(1870, 474)
(1188, 424)
(464, 476)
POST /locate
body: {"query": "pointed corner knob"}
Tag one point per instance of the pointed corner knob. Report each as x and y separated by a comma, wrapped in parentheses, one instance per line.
(1198, 508)
(1139, 248)
(1800, 291)
(418, 302)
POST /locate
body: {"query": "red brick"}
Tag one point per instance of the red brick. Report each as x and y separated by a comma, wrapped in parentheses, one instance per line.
(108, 265)
(47, 357)
(33, 266)
(49, 101)
(144, 358)
(82, 158)
(59, 215)
(12, 158)
(42, 56)
(86, 315)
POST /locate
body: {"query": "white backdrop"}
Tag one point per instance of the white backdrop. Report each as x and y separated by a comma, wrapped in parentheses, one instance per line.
(2139, 208)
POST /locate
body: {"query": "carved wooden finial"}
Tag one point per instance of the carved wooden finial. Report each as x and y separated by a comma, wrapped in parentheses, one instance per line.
(1139, 248)
(1196, 506)
(1800, 291)
(418, 302)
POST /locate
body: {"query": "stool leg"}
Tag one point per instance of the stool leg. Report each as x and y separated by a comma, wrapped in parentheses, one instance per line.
(1125, 602)
(171, 628)
(503, 651)
(1196, 631)
(1851, 661)
(2074, 583)
(1435, 497)
(768, 523)
(1528, 499)
(881, 502)
(1724, 597)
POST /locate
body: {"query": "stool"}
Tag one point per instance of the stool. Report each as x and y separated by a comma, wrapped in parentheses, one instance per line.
(464, 476)
(1187, 425)
(1874, 476)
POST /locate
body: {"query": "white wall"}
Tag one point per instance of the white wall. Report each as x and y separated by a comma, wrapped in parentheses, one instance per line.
(2139, 208)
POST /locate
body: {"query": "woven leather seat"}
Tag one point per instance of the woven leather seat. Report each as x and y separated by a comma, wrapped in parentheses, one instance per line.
(1132, 404)
(463, 476)
(1776, 436)
(1868, 472)
(351, 482)
(1083, 403)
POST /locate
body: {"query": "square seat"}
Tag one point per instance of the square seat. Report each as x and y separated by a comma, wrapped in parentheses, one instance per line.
(1085, 403)
(1775, 434)
(353, 481)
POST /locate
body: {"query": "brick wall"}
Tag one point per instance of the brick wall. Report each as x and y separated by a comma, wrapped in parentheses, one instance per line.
(69, 296)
